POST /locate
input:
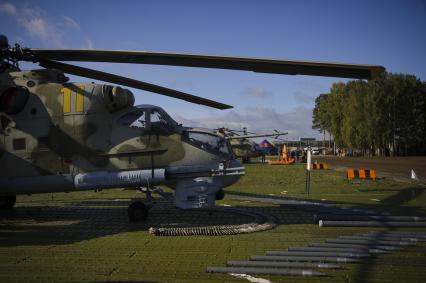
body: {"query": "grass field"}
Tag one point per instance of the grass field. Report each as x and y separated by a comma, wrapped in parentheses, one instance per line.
(86, 237)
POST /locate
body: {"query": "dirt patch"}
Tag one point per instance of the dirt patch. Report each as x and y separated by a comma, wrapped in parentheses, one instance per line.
(396, 168)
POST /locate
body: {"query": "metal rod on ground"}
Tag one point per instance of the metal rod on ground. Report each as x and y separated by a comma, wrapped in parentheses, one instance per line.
(364, 217)
(381, 237)
(384, 238)
(402, 233)
(326, 209)
(389, 235)
(367, 211)
(283, 264)
(325, 223)
(399, 236)
(321, 254)
(364, 246)
(367, 242)
(343, 211)
(267, 271)
(334, 249)
(303, 258)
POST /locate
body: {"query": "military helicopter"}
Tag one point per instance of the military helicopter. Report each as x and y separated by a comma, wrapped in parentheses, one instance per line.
(57, 136)
(242, 146)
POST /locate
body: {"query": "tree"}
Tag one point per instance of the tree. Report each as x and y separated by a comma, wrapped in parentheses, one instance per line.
(385, 115)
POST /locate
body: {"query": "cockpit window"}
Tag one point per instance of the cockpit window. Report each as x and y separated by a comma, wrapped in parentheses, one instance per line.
(209, 142)
(154, 119)
(161, 118)
(133, 119)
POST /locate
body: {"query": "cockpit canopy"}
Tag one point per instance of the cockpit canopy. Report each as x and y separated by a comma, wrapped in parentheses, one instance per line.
(207, 140)
(148, 118)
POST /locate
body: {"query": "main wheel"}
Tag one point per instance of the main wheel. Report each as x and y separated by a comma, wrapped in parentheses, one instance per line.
(7, 202)
(220, 194)
(137, 211)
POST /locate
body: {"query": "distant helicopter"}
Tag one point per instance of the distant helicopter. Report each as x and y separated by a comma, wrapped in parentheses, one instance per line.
(242, 146)
(57, 136)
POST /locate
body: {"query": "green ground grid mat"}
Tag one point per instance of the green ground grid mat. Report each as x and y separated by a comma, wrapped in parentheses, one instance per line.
(86, 237)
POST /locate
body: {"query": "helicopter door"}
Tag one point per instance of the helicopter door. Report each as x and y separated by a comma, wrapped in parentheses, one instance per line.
(151, 139)
(146, 142)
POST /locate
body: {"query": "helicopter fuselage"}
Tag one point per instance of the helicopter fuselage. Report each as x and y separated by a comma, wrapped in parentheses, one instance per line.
(60, 136)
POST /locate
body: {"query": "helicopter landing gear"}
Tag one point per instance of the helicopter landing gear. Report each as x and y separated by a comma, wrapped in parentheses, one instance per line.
(7, 202)
(137, 211)
(220, 194)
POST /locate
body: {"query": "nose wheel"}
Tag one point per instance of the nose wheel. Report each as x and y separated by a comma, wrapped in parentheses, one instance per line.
(220, 194)
(137, 211)
(7, 202)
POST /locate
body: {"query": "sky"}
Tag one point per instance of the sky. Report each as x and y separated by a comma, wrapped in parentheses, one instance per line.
(387, 33)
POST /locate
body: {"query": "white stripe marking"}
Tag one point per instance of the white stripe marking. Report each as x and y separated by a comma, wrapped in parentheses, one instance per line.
(250, 278)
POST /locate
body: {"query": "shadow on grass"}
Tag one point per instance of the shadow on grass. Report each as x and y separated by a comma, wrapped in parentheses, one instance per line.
(394, 203)
(404, 196)
(125, 281)
(85, 220)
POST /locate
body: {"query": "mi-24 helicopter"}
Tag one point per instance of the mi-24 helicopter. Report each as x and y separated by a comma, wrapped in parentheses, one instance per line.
(242, 145)
(58, 136)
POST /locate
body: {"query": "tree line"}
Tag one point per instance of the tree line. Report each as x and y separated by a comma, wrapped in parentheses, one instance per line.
(384, 116)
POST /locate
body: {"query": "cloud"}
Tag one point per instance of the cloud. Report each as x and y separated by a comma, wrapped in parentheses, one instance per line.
(7, 8)
(304, 97)
(309, 84)
(257, 92)
(35, 23)
(38, 25)
(297, 122)
(68, 21)
(307, 91)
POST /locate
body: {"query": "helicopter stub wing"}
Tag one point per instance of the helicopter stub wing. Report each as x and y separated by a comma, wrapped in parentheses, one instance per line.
(260, 65)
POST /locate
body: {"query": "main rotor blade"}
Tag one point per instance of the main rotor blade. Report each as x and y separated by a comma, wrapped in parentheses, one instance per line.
(255, 136)
(241, 131)
(107, 77)
(286, 67)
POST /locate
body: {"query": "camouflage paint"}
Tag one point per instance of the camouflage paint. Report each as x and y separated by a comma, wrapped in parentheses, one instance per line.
(86, 138)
